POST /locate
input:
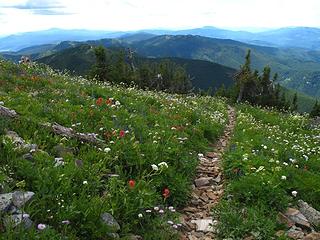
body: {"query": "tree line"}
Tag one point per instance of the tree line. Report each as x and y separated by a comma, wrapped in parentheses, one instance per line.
(121, 68)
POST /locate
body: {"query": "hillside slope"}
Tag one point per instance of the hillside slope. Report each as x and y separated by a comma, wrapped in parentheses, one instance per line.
(123, 164)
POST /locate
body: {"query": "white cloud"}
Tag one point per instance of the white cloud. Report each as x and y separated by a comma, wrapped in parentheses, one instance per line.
(140, 14)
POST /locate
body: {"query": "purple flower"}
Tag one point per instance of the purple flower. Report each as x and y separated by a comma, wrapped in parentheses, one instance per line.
(65, 222)
(41, 226)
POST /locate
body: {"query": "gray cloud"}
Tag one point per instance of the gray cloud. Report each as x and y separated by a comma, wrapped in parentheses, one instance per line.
(41, 7)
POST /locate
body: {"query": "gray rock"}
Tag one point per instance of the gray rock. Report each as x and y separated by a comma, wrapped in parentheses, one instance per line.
(204, 225)
(298, 218)
(309, 212)
(109, 220)
(295, 234)
(204, 181)
(16, 140)
(21, 198)
(113, 236)
(58, 162)
(17, 219)
(312, 236)
(30, 147)
(5, 201)
(28, 156)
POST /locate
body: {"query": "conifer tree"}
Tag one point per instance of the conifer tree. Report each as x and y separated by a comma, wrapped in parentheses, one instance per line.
(243, 76)
(295, 102)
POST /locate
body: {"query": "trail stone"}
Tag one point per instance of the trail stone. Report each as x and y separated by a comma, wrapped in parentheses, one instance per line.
(21, 198)
(298, 218)
(309, 212)
(16, 140)
(5, 201)
(204, 181)
(312, 236)
(295, 234)
(204, 225)
(109, 220)
(285, 220)
(217, 179)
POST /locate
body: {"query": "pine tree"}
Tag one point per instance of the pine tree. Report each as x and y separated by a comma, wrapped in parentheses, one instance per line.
(315, 110)
(243, 76)
(100, 68)
(295, 102)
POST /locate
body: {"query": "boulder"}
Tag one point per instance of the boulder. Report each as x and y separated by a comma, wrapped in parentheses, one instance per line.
(17, 219)
(312, 236)
(21, 198)
(5, 201)
(203, 181)
(298, 218)
(204, 225)
(109, 220)
(309, 212)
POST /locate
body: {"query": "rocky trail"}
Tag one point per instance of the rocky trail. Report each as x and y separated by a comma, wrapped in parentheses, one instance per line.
(208, 188)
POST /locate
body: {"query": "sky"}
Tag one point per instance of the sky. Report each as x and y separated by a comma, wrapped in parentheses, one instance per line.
(32, 15)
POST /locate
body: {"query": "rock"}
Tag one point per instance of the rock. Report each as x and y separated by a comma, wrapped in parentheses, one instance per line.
(204, 181)
(28, 156)
(312, 236)
(113, 236)
(78, 163)
(17, 219)
(62, 151)
(133, 237)
(285, 220)
(6, 112)
(309, 212)
(16, 140)
(295, 234)
(298, 218)
(204, 225)
(217, 179)
(109, 220)
(5, 201)
(211, 154)
(58, 162)
(21, 198)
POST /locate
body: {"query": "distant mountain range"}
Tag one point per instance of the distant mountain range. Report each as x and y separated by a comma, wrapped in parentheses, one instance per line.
(298, 68)
(297, 37)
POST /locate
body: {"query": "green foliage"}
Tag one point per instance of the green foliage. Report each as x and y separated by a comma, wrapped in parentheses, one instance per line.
(271, 155)
(315, 112)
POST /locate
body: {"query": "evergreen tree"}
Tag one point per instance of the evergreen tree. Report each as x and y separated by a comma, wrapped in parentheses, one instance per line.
(315, 110)
(295, 102)
(243, 77)
(99, 70)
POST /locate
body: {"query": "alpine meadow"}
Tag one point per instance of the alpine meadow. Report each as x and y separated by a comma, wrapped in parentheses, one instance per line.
(141, 120)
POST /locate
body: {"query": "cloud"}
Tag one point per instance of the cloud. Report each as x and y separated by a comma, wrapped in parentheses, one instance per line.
(38, 4)
(41, 7)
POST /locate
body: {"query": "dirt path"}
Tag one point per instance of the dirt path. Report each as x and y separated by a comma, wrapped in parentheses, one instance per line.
(207, 189)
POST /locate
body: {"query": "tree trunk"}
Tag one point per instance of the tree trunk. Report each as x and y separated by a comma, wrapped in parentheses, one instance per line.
(239, 99)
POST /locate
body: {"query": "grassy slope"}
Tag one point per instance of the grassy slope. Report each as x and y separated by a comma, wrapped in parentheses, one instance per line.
(266, 148)
(160, 128)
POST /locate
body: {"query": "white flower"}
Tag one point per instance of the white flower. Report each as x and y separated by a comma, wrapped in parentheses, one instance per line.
(294, 193)
(200, 155)
(170, 208)
(154, 167)
(156, 208)
(161, 211)
(107, 150)
(85, 182)
(140, 215)
(283, 178)
(101, 129)
(163, 164)
(170, 222)
(148, 211)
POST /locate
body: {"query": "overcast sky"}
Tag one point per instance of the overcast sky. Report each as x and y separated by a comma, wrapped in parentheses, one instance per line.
(30, 15)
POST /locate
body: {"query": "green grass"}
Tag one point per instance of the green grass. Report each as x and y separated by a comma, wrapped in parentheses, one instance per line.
(157, 127)
(271, 155)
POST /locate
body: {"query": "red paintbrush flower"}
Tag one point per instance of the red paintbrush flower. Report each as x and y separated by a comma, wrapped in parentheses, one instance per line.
(99, 101)
(166, 192)
(131, 183)
(122, 133)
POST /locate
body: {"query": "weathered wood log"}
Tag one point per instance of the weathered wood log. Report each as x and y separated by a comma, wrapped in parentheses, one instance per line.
(6, 112)
(70, 133)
